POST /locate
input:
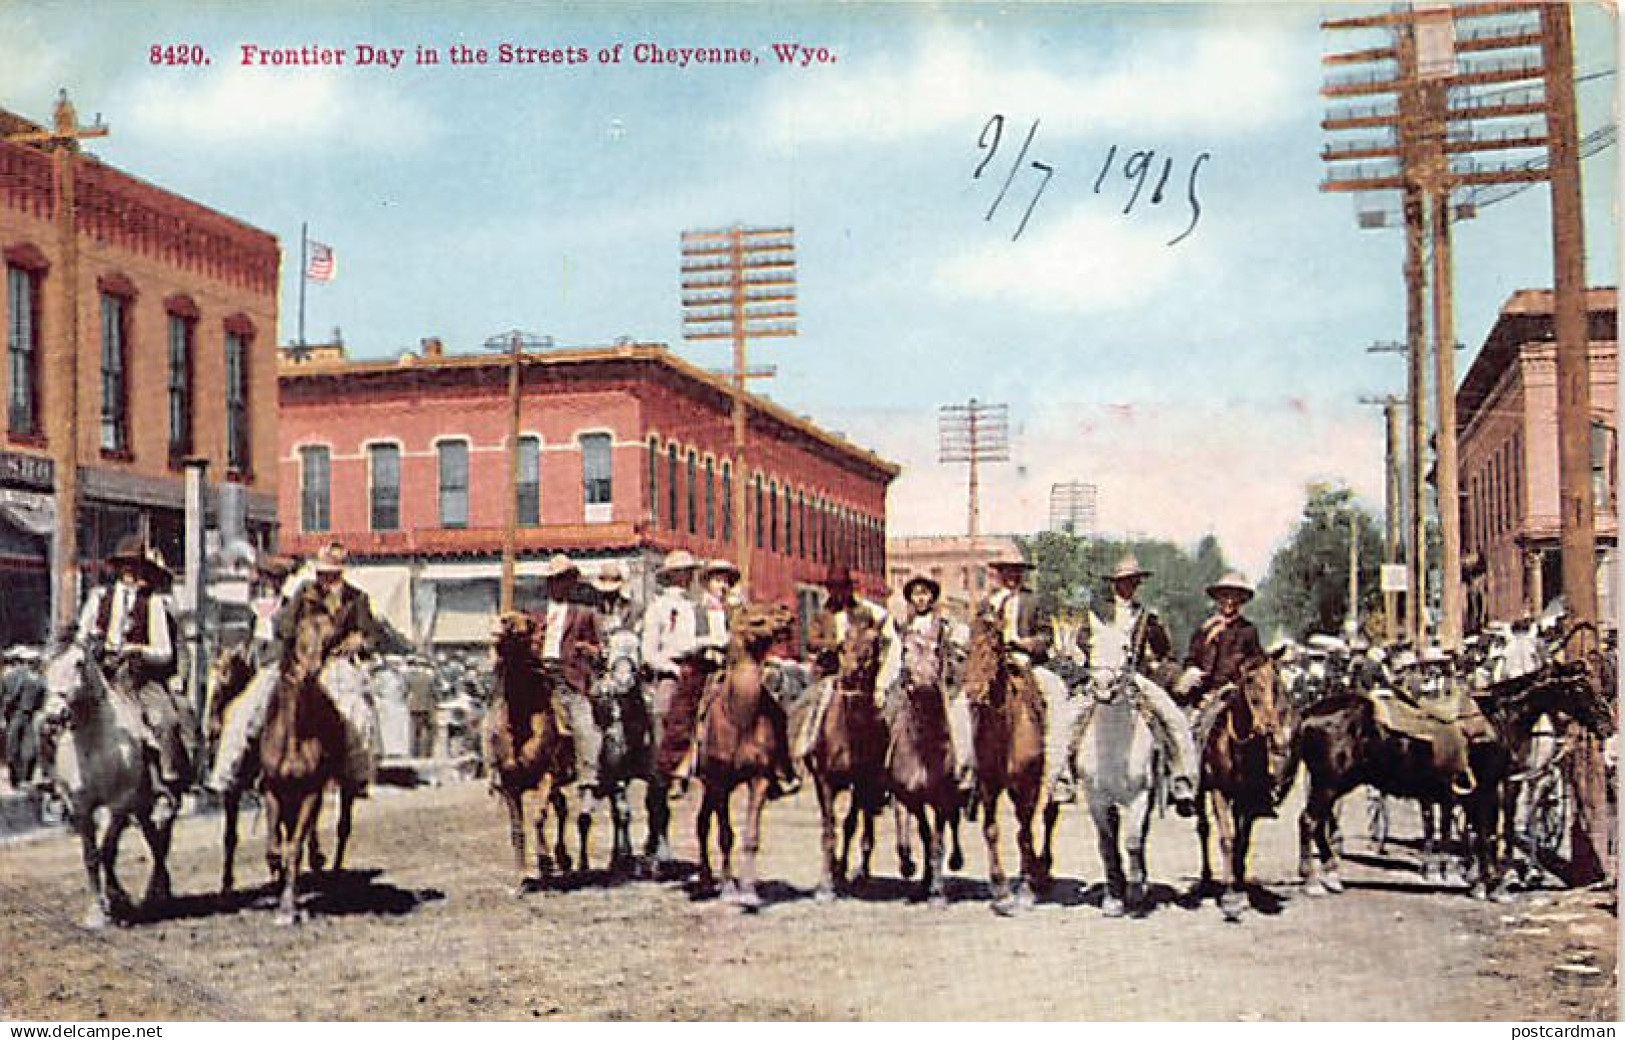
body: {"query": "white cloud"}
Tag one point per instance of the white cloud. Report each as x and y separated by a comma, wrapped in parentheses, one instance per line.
(1218, 79)
(269, 110)
(1163, 471)
(1089, 259)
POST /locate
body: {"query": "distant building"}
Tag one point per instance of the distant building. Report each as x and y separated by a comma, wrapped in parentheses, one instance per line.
(959, 563)
(625, 453)
(1506, 414)
(177, 312)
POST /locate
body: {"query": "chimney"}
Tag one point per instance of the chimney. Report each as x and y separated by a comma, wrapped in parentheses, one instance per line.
(432, 347)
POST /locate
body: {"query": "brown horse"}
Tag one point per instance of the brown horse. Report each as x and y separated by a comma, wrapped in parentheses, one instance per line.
(301, 751)
(849, 754)
(920, 770)
(1242, 776)
(1007, 719)
(525, 751)
(738, 744)
(230, 677)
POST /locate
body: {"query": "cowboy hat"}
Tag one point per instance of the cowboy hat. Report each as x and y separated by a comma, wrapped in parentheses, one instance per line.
(609, 578)
(1011, 558)
(925, 581)
(1128, 567)
(559, 566)
(678, 560)
(132, 550)
(331, 558)
(1234, 582)
(721, 566)
(837, 575)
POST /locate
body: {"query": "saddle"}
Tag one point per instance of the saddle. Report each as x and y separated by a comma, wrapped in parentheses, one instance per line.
(1449, 725)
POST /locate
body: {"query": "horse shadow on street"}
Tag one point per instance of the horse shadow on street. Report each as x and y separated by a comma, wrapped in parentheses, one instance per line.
(1260, 898)
(343, 893)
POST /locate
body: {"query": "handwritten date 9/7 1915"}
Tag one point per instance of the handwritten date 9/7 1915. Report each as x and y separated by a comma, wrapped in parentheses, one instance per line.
(1136, 170)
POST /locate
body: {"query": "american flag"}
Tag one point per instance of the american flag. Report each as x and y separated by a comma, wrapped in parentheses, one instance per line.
(323, 264)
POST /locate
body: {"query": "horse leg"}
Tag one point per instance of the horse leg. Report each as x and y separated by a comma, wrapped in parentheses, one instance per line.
(1238, 831)
(118, 900)
(748, 897)
(515, 802)
(905, 854)
(998, 884)
(956, 858)
(871, 809)
(295, 833)
(1224, 818)
(1137, 814)
(1107, 824)
(826, 815)
(542, 800)
(230, 803)
(1317, 861)
(272, 809)
(1046, 858)
(346, 812)
(656, 803)
(725, 845)
(583, 830)
(1204, 831)
(849, 827)
(561, 814)
(157, 833)
(933, 840)
(1025, 798)
(97, 914)
(620, 812)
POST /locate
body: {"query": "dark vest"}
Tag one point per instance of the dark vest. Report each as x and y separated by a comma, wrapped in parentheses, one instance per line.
(137, 630)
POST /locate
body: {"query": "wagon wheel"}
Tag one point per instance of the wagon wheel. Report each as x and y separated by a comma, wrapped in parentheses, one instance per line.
(1376, 818)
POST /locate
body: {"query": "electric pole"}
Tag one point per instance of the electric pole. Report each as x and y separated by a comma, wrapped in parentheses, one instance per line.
(975, 432)
(515, 343)
(63, 140)
(739, 284)
(1072, 507)
(1393, 425)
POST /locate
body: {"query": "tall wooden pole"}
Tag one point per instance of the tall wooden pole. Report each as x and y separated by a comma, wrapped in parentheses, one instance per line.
(1447, 480)
(741, 468)
(1392, 526)
(1413, 202)
(1590, 859)
(510, 516)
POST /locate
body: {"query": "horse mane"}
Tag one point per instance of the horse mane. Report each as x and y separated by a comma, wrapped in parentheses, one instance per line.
(984, 660)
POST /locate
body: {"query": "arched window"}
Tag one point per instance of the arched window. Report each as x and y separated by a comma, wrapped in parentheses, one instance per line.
(693, 509)
(710, 501)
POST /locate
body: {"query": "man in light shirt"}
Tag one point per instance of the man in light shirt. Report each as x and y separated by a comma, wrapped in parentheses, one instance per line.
(668, 637)
(127, 627)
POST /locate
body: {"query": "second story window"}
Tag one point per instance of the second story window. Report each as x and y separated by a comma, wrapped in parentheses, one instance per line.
(453, 484)
(654, 480)
(529, 487)
(239, 458)
(180, 387)
(727, 502)
(23, 351)
(597, 483)
(710, 501)
(315, 489)
(671, 487)
(384, 474)
(115, 425)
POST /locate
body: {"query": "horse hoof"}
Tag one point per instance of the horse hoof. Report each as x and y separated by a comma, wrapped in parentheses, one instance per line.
(1315, 887)
(1025, 899)
(1503, 895)
(95, 919)
(1333, 883)
(825, 894)
(905, 866)
(748, 900)
(937, 901)
(1004, 906)
(729, 892)
(1478, 893)
(1231, 905)
(1112, 906)
(956, 860)
(1136, 897)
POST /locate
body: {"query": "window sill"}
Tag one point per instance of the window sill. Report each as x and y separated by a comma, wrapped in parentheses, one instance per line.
(27, 440)
(118, 455)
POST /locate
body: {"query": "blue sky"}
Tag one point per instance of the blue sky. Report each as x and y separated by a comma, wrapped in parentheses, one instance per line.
(1199, 385)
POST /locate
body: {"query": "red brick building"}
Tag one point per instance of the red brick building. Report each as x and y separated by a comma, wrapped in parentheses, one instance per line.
(1506, 413)
(176, 311)
(625, 453)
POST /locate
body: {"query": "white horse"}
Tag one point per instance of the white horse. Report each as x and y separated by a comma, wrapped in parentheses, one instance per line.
(1117, 763)
(99, 763)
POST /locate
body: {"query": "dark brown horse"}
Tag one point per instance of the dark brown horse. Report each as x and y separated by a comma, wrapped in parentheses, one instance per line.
(1007, 719)
(230, 677)
(849, 754)
(301, 751)
(525, 751)
(738, 744)
(1243, 776)
(920, 770)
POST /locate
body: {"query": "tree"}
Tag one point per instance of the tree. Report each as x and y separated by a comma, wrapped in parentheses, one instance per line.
(1306, 588)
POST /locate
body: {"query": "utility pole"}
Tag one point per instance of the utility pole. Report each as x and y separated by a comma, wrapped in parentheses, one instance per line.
(739, 284)
(975, 432)
(1393, 425)
(515, 343)
(63, 139)
(1426, 129)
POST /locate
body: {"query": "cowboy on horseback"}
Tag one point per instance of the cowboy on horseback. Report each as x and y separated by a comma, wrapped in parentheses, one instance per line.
(843, 611)
(127, 627)
(713, 633)
(616, 608)
(919, 646)
(1149, 652)
(1221, 652)
(570, 648)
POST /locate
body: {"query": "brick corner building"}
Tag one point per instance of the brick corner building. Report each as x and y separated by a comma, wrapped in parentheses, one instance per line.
(625, 453)
(175, 306)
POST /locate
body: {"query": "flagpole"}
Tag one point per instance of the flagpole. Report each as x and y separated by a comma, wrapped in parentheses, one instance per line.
(304, 240)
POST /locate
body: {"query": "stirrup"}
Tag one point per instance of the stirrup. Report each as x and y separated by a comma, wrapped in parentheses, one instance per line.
(1461, 789)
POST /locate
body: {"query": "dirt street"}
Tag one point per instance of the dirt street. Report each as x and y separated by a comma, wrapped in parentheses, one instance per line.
(425, 926)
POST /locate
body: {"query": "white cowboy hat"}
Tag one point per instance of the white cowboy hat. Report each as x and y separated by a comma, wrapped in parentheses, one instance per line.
(331, 558)
(1128, 567)
(721, 566)
(609, 578)
(1234, 582)
(678, 560)
(558, 566)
